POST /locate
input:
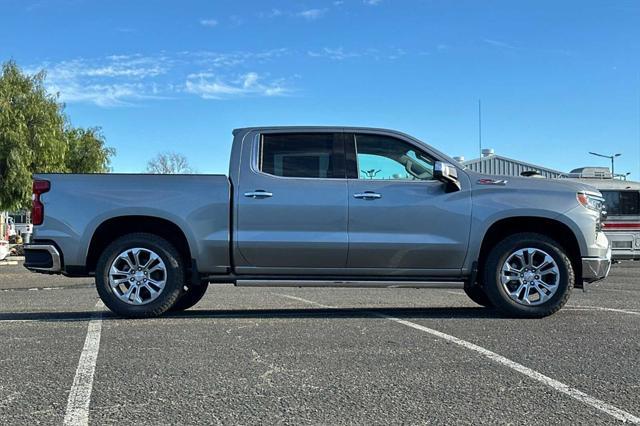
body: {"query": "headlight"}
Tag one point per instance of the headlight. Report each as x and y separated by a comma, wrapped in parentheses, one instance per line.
(590, 201)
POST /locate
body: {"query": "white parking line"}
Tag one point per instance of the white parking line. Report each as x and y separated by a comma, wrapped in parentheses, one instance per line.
(80, 395)
(43, 320)
(548, 381)
(600, 308)
(574, 307)
(300, 299)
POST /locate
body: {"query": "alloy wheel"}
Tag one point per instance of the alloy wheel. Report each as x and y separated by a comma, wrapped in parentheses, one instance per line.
(137, 276)
(530, 276)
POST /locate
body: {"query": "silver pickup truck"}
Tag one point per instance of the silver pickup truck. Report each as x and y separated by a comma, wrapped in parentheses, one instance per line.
(321, 206)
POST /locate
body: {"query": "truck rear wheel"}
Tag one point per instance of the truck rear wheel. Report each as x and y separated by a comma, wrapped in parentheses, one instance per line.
(192, 295)
(139, 276)
(528, 275)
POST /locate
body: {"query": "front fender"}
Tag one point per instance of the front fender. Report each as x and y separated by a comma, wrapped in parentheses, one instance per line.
(493, 205)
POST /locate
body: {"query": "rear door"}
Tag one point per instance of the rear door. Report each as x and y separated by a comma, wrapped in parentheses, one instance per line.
(292, 204)
(402, 220)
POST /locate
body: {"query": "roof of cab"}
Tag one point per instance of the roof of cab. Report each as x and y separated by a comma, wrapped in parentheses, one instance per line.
(316, 128)
(354, 129)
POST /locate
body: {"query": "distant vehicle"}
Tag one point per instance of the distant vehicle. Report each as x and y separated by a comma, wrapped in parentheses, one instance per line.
(321, 206)
(11, 227)
(4, 249)
(622, 205)
(21, 224)
(19, 228)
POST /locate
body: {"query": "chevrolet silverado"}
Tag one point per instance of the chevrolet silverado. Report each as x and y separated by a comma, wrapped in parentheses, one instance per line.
(321, 206)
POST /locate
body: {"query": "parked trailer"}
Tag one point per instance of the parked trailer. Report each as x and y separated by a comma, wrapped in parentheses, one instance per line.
(622, 223)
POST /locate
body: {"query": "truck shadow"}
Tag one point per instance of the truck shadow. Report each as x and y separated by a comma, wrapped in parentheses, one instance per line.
(324, 313)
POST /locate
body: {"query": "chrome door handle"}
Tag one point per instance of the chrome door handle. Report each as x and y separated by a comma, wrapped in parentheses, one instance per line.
(367, 195)
(258, 194)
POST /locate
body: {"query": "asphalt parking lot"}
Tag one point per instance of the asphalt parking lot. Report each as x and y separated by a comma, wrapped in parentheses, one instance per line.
(317, 356)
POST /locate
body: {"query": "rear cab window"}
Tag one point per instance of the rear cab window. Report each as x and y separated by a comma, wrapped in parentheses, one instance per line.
(302, 155)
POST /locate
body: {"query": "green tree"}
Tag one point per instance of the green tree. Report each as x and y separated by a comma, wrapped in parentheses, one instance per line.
(37, 137)
(87, 151)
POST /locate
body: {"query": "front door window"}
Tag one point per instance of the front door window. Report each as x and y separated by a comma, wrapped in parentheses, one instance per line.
(384, 158)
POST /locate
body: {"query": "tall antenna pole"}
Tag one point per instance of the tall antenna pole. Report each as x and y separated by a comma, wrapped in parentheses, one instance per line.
(480, 127)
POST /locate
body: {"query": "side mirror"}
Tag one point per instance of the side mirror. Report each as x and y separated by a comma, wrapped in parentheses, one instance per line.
(448, 174)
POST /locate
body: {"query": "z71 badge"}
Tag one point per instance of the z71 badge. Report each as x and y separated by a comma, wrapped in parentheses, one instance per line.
(492, 181)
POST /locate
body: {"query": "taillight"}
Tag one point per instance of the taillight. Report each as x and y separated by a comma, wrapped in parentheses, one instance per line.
(37, 208)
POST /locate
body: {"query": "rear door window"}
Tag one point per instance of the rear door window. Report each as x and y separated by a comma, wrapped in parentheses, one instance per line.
(303, 155)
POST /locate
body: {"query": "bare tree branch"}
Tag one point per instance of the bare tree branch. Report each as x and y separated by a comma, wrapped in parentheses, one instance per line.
(169, 163)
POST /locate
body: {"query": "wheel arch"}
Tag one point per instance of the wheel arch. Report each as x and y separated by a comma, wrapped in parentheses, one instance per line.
(118, 226)
(552, 228)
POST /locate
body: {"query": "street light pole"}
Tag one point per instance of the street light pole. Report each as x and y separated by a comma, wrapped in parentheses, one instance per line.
(611, 157)
(480, 127)
(613, 171)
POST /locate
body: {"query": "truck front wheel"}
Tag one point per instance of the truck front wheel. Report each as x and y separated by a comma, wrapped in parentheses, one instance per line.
(528, 275)
(139, 276)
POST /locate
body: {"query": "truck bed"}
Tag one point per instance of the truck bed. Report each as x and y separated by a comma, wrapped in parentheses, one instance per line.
(77, 204)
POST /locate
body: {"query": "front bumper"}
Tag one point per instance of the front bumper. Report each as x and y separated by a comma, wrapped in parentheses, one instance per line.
(42, 258)
(596, 268)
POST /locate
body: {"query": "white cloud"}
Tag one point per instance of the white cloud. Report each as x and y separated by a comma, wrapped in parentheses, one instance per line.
(234, 59)
(208, 22)
(104, 95)
(333, 53)
(250, 80)
(372, 2)
(339, 53)
(212, 86)
(498, 43)
(274, 13)
(312, 14)
(133, 66)
(110, 81)
(122, 80)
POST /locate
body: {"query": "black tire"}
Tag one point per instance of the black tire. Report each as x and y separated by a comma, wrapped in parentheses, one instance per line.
(499, 255)
(477, 294)
(175, 276)
(191, 296)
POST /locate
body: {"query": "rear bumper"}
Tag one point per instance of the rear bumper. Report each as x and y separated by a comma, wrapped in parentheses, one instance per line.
(596, 268)
(42, 258)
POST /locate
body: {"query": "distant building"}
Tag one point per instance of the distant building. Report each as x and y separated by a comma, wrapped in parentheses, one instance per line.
(493, 164)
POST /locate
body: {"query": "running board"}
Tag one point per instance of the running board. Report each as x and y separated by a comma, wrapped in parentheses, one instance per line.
(350, 284)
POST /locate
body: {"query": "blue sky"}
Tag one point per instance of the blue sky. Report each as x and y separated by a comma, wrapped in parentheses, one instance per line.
(557, 78)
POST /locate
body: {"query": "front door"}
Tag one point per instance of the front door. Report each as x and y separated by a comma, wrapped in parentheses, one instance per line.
(402, 220)
(292, 204)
